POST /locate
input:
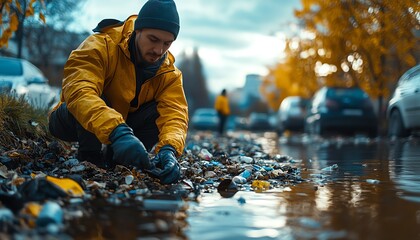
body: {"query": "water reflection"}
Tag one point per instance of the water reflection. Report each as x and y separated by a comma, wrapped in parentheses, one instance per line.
(356, 188)
(245, 216)
(127, 221)
(405, 169)
(374, 193)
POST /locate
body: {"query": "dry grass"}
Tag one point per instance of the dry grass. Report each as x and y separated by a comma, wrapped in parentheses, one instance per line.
(19, 120)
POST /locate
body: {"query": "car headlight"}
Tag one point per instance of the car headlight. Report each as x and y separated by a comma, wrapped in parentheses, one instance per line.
(21, 90)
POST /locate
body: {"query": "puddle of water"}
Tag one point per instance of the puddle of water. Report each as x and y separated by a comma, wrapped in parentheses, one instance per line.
(246, 215)
(373, 193)
(355, 189)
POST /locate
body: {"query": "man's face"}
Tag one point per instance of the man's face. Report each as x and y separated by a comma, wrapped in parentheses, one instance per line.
(153, 43)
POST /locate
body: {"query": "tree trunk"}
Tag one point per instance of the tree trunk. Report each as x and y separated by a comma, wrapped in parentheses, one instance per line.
(19, 39)
(20, 30)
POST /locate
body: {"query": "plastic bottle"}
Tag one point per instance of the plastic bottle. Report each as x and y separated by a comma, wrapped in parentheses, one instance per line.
(205, 154)
(6, 215)
(246, 174)
(246, 159)
(243, 177)
(51, 213)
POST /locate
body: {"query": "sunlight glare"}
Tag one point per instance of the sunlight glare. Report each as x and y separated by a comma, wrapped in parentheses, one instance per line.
(266, 232)
(323, 198)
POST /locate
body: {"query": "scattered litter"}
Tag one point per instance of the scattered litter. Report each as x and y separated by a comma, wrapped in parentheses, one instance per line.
(205, 154)
(330, 168)
(260, 186)
(372, 181)
(241, 200)
(51, 213)
(168, 203)
(129, 179)
(47, 189)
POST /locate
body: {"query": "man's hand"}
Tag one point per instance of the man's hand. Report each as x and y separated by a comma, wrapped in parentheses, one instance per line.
(128, 149)
(167, 168)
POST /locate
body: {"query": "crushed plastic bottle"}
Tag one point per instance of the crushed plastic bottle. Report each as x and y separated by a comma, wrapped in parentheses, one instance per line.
(372, 181)
(239, 180)
(205, 154)
(51, 213)
(245, 159)
(246, 174)
(330, 168)
(243, 177)
(242, 159)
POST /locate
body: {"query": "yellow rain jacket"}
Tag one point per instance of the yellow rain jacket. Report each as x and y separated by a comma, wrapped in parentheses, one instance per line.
(222, 105)
(101, 66)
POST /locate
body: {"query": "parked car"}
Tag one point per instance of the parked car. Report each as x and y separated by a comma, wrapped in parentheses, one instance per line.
(259, 122)
(205, 119)
(342, 110)
(21, 78)
(291, 114)
(241, 123)
(403, 111)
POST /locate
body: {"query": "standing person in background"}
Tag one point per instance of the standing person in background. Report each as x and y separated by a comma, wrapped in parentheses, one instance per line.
(122, 90)
(222, 107)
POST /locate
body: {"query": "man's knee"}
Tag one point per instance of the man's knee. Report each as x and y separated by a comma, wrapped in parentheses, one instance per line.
(62, 124)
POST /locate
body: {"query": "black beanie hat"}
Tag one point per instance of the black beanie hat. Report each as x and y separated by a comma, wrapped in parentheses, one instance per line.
(158, 14)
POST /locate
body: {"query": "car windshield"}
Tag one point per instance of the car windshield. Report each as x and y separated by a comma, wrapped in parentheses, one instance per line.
(258, 117)
(10, 67)
(295, 104)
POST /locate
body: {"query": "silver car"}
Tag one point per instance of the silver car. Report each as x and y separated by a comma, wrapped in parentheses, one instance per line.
(205, 119)
(291, 113)
(403, 110)
(21, 78)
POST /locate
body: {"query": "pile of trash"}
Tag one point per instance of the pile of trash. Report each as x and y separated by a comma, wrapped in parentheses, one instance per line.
(45, 190)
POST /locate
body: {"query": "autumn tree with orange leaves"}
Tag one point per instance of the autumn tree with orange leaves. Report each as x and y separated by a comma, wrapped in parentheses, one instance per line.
(294, 76)
(368, 43)
(12, 17)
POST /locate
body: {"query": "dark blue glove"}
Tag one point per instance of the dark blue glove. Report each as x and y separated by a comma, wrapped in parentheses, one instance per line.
(128, 149)
(166, 168)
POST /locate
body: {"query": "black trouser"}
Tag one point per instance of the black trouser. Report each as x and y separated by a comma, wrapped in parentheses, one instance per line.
(64, 126)
(222, 118)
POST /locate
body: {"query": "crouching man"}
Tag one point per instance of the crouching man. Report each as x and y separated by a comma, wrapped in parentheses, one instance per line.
(121, 89)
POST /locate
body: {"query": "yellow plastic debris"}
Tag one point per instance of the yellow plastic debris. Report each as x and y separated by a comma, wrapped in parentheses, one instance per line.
(31, 211)
(70, 186)
(260, 186)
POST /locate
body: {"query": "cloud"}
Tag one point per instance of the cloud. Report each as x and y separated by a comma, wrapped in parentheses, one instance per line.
(234, 37)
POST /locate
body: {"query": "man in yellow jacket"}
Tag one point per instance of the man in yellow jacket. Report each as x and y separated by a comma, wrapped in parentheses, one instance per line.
(222, 107)
(122, 90)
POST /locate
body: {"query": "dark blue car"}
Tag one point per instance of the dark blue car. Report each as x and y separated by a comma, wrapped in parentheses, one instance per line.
(341, 110)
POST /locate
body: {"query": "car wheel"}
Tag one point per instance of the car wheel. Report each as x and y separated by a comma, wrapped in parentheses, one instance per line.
(396, 126)
(373, 133)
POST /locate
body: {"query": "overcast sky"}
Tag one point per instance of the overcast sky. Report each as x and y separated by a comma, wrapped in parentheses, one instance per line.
(234, 37)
